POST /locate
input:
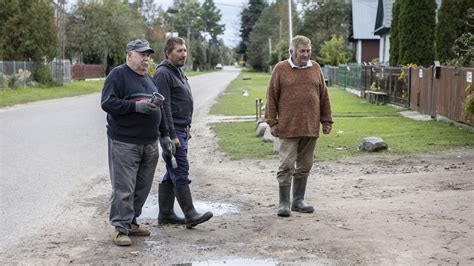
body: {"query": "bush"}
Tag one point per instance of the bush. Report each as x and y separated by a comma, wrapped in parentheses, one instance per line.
(43, 75)
(3, 81)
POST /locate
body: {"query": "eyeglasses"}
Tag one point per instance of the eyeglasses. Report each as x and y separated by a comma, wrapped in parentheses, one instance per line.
(157, 98)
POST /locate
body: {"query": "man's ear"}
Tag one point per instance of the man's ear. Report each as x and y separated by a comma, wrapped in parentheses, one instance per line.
(290, 51)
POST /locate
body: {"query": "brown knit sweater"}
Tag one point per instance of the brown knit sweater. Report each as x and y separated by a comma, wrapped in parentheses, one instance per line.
(297, 101)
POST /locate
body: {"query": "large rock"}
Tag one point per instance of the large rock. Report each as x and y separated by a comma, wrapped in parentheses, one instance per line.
(372, 144)
(261, 129)
(267, 136)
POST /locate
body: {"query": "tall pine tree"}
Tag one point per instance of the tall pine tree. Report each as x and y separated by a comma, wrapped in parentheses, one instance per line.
(417, 31)
(211, 17)
(249, 17)
(452, 24)
(394, 35)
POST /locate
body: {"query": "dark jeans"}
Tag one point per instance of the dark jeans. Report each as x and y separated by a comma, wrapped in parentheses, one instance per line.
(132, 167)
(179, 175)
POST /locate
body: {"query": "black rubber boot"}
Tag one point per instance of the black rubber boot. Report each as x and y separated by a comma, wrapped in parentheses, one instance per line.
(185, 200)
(284, 206)
(166, 202)
(299, 188)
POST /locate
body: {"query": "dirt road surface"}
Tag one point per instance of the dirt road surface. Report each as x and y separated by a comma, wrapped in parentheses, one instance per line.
(369, 210)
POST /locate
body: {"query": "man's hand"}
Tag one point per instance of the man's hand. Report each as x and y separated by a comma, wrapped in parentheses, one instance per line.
(327, 127)
(176, 143)
(274, 130)
(168, 144)
(145, 107)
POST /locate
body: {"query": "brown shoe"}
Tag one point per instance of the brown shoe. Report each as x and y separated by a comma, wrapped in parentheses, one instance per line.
(138, 231)
(121, 239)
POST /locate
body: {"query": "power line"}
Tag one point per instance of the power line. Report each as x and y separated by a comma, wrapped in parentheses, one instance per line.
(229, 5)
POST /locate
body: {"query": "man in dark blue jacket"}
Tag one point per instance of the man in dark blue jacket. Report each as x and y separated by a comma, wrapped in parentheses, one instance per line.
(134, 124)
(178, 107)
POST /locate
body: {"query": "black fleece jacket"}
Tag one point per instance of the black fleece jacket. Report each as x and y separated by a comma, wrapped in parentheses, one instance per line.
(178, 106)
(122, 88)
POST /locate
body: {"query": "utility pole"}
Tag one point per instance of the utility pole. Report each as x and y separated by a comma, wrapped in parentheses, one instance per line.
(270, 53)
(60, 21)
(290, 23)
(279, 39)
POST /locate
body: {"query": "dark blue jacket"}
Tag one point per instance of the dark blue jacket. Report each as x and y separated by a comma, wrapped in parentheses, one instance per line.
(122, 88)
(173, 84)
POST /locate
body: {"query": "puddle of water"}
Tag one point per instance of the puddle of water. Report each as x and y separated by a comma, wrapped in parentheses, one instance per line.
(234, 262)
(150, 209)
(246, 262)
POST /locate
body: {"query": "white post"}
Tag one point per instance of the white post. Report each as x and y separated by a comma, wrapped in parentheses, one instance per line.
(270, 46)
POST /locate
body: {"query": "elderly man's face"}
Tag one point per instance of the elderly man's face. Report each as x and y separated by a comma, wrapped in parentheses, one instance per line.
(301, 54)
(138, 62)
(177, 57)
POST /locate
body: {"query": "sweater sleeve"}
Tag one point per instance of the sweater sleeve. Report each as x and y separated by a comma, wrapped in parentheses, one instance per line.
(163, 128)
(164, 84)
(325, 104)
(273, 97)
(112, 100)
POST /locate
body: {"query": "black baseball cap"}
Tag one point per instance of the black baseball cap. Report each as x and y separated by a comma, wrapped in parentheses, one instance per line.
(139, 45)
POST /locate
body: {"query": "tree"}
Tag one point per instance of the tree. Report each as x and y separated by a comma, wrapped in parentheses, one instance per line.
(99, 32)
(149, 10)
(249, 17)
(187, 19)
(463, 47)
(198, 49)
(258, 46)
(211, 17)
(325, 18)
(451, 25)
(28, 30)
(280, 52)
(334, 52)
(394, 35)
(417, 31)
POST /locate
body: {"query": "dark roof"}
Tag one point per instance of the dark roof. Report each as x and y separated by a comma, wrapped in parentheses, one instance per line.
(383, 19)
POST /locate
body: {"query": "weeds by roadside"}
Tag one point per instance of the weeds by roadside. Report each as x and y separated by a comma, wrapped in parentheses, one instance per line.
(9, 97)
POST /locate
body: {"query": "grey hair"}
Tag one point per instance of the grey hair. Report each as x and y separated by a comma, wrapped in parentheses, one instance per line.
(299, 39)
(170, 44)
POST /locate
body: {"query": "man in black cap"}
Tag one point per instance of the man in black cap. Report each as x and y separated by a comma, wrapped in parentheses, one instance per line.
(134, 124)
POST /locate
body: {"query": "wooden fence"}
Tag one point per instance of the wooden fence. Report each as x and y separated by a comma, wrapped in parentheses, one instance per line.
(83, 71)
(393, 81)
(442, 92)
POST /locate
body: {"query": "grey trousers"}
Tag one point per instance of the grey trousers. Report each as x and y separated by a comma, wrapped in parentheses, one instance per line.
(296, 158)
(132, 168)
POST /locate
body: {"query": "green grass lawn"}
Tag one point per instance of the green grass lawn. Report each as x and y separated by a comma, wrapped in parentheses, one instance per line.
(233, 103)
(10, 97)
(354, 119)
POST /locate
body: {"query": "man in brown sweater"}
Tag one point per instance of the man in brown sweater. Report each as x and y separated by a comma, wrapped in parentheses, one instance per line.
(297, 103)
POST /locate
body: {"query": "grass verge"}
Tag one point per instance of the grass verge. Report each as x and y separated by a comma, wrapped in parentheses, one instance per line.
(195, 73)
(9, 97)
(354, 119)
